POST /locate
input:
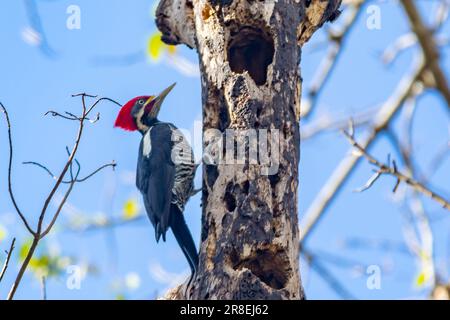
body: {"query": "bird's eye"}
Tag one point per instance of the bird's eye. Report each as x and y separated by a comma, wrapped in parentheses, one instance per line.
(141, 101)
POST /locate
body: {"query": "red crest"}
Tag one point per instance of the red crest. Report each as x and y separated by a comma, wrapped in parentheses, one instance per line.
(124, 119)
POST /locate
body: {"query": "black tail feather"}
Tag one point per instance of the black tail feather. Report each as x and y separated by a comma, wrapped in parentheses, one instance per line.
(184, 238)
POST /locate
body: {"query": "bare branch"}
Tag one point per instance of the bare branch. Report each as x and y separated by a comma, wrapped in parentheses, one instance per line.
(429, 48)
(112, 164)
(392, 170)
(11, 193)
(68, 167)
(109, 223)
(425, 255)
(382, 119)
(83, 95)
(72, 117)
(326, 68)
(324, 273)
(376, 244)
(61, 205)
(57, 114)
(8, 257)
(99, 100)
(400, 44)
(37, 235)
(327, 123)
(369, 182)
(43, 288)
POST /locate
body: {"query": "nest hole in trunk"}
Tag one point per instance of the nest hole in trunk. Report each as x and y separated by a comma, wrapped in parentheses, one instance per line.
(251, 49)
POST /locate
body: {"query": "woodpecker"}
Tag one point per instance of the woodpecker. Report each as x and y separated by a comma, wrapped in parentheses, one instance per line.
(165, 170)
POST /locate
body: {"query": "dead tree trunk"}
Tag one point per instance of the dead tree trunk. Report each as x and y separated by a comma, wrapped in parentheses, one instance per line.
(249, 54)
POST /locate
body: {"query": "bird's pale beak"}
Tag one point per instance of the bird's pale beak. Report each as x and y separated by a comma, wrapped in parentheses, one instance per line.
(159, 100)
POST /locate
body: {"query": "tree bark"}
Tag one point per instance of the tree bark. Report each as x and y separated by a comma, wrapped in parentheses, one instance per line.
(249, 52)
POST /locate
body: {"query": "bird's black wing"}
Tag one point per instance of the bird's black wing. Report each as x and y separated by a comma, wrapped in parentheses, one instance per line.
(155, 176)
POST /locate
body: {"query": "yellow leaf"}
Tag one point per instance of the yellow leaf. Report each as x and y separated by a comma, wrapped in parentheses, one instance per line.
(40, 266)
(155, 46)
(130, 209)
(34, 263)
(421, 279)
(3, 233)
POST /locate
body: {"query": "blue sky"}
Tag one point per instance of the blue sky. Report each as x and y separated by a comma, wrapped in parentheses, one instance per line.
(32, 82)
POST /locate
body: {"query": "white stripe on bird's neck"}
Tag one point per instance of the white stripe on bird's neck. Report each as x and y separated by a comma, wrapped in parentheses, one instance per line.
(141, 126)
(147, 144)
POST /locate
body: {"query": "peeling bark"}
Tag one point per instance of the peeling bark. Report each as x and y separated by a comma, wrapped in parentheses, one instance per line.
(249, 53)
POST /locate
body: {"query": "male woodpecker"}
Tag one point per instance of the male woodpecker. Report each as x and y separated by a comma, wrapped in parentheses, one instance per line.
(165, 170)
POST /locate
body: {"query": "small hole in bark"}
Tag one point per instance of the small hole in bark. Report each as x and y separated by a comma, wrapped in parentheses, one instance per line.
(224, 118)
(205, 227)
(226, 220)
(230, 200)
(245, 187)
(274, 179)
(272, 268)
(211, 173)
(251, 50)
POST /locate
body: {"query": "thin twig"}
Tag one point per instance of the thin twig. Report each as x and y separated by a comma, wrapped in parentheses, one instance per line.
(428, 44)
(111, 164)
(337, 40)
(369, 182)
(108, 224)
(99, 100)
(328, 123)
(43, 288)
(382, 119)
(11, 193)
(324, 273)
(8, 257)
(41, 232)
(83, 95)
(37, 235)
(375, 244)
(384, 168)
(57, 114)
